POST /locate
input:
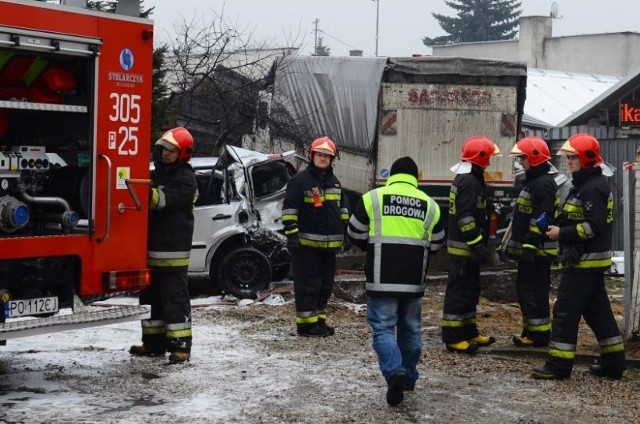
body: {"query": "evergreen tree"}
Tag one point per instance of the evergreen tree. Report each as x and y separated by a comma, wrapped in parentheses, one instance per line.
(161, 115)
(321, 48)
(478, 20)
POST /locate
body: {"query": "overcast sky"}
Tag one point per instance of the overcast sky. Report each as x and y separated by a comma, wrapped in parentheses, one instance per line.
(351, 24)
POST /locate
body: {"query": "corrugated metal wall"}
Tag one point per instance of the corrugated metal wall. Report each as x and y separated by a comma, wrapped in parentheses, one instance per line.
(615, 151)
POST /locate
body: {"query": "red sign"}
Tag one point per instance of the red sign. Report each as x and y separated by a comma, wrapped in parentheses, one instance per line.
(630, 113)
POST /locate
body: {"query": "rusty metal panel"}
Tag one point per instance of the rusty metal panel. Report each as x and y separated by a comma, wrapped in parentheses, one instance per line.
(430, 122)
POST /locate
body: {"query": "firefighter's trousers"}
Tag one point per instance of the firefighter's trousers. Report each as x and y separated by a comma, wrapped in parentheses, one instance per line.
(313, 277)
(532, 287)
(169, 327)
(583, 294)
(460, 300)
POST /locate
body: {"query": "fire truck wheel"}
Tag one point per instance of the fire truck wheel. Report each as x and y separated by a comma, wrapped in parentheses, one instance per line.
(244, 273)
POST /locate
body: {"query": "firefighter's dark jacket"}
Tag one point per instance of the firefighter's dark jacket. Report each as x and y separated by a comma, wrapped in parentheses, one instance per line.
(537, 196)
(586, 218)
(468, 214)
(398, 225)
(173, 193)
(315, 210)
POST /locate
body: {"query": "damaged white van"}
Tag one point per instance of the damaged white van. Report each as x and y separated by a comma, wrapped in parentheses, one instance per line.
(237, 240)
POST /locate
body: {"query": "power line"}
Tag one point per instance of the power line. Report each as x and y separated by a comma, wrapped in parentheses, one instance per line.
(342, 42)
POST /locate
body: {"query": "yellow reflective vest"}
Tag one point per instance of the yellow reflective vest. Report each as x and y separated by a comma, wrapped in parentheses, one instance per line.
(398, 225)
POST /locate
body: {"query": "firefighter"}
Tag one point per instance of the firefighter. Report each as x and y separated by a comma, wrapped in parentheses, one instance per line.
(173, 193)
(467, 246)
(584, 233)
(315, 214)
(529, 243)
(398, 226)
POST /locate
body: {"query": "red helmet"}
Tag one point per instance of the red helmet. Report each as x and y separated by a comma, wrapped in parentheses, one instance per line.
(585, 146)
(478, 150)
(323, 145)
(534, 148)
(178, 139)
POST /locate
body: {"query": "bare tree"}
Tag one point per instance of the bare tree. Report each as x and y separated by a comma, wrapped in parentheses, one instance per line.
(222, 83)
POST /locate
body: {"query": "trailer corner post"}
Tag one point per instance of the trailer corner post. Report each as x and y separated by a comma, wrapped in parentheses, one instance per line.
(631, 307)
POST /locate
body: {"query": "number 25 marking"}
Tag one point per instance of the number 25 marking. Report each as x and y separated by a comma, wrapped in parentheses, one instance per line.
(128, 138)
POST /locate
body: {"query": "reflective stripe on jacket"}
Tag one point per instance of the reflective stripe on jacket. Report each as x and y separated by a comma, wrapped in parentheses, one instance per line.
(173, 195)
(586, 219)
(315, 209)
(468, 213)
(537, 196)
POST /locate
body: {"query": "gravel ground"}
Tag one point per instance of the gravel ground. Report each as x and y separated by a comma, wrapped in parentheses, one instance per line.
(247, 367)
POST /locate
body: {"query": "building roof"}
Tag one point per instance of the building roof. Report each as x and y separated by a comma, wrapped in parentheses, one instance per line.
(605, 99)
(554, 96)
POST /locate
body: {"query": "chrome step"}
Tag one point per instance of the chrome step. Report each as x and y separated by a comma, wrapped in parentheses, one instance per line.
(88, 317)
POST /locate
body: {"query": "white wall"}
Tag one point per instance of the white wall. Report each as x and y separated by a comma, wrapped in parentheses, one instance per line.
(603, 54)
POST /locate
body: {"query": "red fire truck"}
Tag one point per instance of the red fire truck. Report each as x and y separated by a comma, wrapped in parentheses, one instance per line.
(75, 117)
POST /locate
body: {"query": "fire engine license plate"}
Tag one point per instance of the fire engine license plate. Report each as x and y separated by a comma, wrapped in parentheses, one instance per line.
(37, 306)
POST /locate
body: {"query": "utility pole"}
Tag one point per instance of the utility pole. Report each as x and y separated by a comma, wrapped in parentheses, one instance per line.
(377, 22)
(315, 31)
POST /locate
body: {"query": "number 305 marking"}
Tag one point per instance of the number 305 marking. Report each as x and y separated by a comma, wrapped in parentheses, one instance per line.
(126, 109)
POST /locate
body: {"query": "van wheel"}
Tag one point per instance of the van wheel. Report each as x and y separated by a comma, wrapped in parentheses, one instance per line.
(245, 272)
(279, 273)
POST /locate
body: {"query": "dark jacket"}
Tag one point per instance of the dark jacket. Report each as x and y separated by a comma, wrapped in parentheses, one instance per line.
(315, 209)
(468, 214)
(586, 219)
(173, 193)
(537, 196)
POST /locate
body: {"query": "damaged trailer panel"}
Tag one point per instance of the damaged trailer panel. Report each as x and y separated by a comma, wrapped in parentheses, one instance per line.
(379, 109)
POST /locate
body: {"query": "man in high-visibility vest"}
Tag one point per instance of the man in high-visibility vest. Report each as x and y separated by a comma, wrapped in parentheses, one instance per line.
(398, 226)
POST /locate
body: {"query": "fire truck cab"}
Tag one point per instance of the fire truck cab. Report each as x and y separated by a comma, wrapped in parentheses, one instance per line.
(75, 118)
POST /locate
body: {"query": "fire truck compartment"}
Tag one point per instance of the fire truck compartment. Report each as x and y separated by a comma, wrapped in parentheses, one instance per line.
(46, 108)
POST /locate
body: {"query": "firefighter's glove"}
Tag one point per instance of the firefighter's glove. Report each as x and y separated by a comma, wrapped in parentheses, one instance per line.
(528, 254)
(569, 255)
(480, 254)
(293, 243)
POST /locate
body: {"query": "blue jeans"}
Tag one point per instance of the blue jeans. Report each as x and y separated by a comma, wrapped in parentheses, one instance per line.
(399, 352)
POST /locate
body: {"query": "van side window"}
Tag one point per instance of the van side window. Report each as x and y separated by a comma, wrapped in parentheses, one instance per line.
(269, 178)
(209, 189)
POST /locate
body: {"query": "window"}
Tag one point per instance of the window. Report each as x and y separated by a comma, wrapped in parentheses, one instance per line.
(269, 178)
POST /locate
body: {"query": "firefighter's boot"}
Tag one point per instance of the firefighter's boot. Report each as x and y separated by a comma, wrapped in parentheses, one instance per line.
(144, 350)
(179, 357)
(462, 347)
(546, 373)
(483, 341)
(598, 370)
(524, 341)
(322, 323)
(311, 330)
